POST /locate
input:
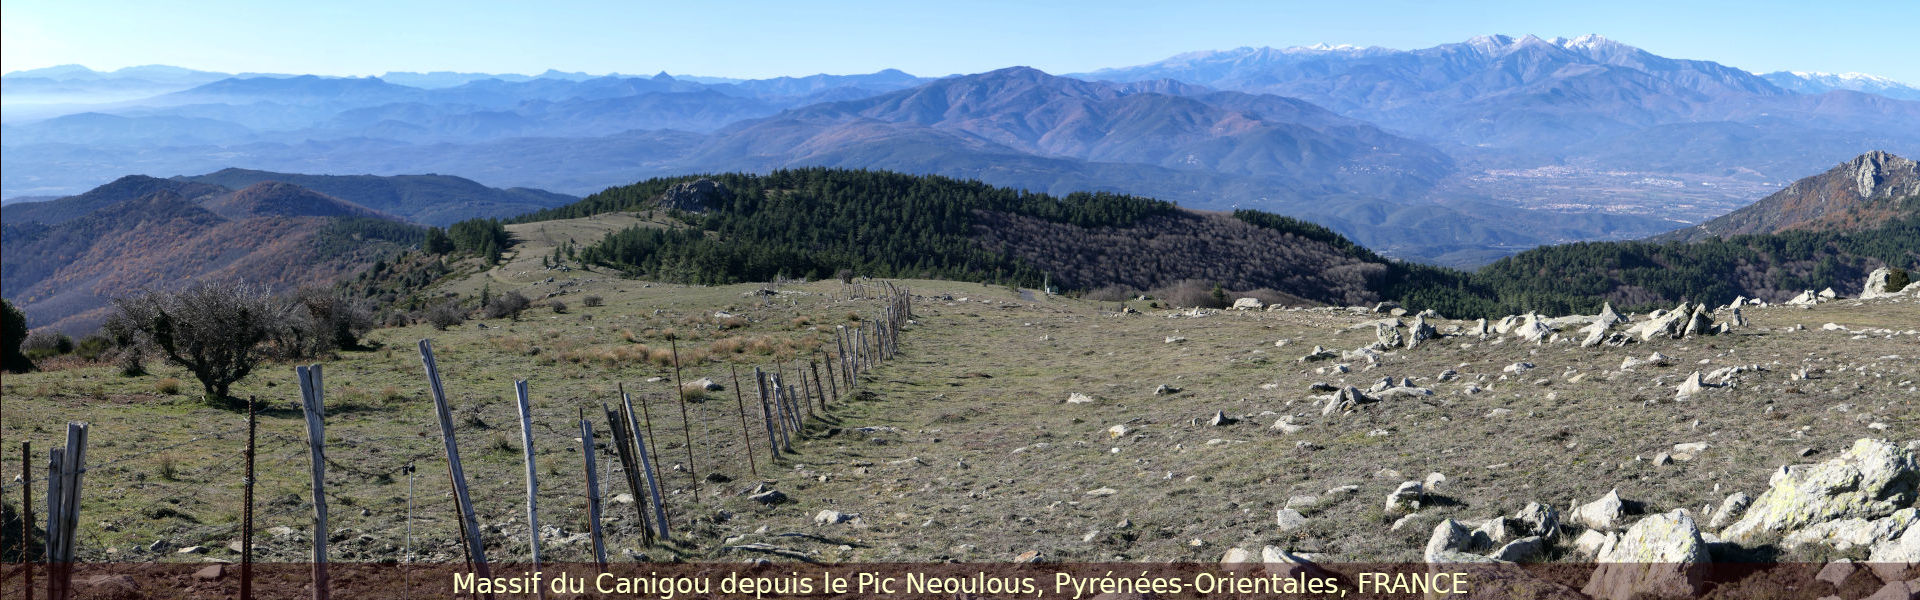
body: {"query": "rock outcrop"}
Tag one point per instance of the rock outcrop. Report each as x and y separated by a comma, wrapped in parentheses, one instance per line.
(1872, 480)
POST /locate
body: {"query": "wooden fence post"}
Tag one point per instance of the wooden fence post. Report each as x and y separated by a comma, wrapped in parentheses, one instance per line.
(51, 543)
(840, 341)
(647, 466)
(26, 516)
(533, 481)
(766, 413)
(832, 386)
(686, 424)
(469, 526)
(623, 449)
(246, 500)
(593, 492)
(746, 435)
(313, 406)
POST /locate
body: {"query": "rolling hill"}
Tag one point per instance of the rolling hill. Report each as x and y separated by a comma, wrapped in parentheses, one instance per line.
(63, 267)
(438, 200)
(1860, 194)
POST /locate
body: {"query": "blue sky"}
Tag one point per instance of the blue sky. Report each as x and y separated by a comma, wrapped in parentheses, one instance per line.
(761, 39)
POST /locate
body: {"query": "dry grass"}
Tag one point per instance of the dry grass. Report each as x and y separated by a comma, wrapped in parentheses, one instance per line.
(980, 384)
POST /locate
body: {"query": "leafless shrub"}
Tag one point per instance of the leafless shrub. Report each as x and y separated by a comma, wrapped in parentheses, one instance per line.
(216, 330)
(447, 313)
(510, 305)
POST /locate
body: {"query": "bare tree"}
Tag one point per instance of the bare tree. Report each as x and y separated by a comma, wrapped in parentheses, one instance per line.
(217, 331)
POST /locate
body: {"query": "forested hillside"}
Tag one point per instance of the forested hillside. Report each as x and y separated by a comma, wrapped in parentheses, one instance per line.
(814, 223)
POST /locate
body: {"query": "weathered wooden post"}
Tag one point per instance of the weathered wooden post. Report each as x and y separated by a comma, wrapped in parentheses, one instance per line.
(832, 385)
(463, 504)
(246, 510)
(840, 341)
(51, 543)
(533, 482)
(593, 492)
(313, 406)
(746, 435)
(623, 449)
(647, 466)
(686, 423)
(26, 516)
(766, 413)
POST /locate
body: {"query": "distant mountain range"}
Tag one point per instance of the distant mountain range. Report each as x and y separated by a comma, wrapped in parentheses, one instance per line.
(1456, 154)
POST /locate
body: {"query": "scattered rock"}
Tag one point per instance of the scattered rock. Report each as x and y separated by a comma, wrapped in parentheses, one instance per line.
(1600, 515)
(1539, 520)
(1220, 419)
(1248, 304)
(1289, 519)
(210, 572)
(831, 517)
(1404, 499)
(1592, 543)
(1524, 549)
(1118, 431)
(1079, 398)
(1105, 491)
(769, 497)
(1165, 390)
(1285, 425)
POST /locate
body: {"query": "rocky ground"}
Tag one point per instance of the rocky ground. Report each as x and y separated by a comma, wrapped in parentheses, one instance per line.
(1018, 426)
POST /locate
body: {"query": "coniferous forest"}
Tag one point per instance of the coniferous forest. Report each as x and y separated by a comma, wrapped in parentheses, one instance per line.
(815, 223)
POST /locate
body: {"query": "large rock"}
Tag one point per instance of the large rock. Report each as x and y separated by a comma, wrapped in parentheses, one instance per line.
(1388, 334)
(1662, 556)
(1662, 324)
(1451, 542)
(1882, 283)
(1248, 304)
(1420, 331)
(1873, 479)
(1533, 330)
(1600, 515)
(699, 195)
(1608, 316)
(1539, 520)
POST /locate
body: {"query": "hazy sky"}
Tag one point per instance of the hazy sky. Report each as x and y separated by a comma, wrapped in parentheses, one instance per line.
(770, 38)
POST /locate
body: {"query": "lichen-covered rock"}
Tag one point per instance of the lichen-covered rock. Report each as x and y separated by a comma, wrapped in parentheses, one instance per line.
(1662, 555)
(1873, 479)
(1846, 534)
(1388, 334)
